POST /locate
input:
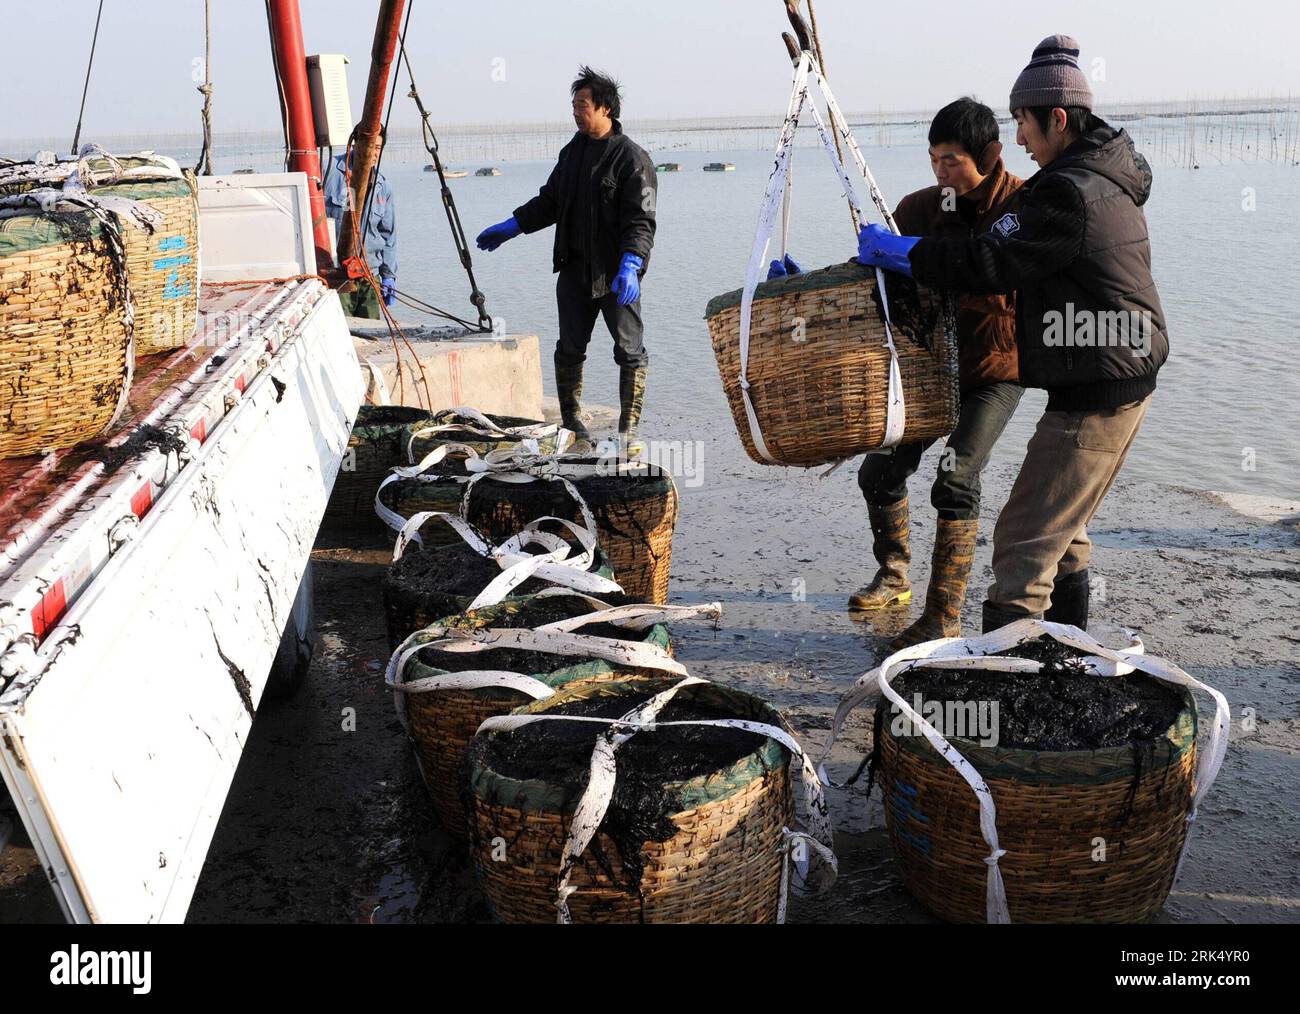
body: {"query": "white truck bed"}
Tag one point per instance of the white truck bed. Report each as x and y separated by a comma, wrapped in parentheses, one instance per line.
(142, 599)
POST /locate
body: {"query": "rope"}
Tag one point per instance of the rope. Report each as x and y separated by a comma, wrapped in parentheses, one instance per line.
(85, 88)
(821, 62)
(204, 164)
(476, 296)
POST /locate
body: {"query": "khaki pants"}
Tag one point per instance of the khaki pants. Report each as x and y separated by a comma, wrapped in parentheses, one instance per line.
(1042, 533)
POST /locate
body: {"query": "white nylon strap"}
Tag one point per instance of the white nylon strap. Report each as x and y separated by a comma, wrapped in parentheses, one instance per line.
(779, 189)
(978, 653)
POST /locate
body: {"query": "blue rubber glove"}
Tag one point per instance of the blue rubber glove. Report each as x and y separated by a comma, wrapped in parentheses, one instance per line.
(878, 247)
(783, 267)
(494, 235)
(388, 289)
(626, 285)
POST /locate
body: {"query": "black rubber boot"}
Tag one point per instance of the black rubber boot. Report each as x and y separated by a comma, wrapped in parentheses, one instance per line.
(568, 388)
(631, 395)
(1070, 597)
(994, 618)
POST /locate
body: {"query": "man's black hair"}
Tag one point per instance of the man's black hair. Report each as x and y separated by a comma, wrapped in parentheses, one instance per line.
(966, 122)
(604, 90)
(1077, 119)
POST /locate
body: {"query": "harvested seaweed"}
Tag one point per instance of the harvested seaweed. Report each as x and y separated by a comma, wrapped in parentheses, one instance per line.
(535, 613)
(1059, 708)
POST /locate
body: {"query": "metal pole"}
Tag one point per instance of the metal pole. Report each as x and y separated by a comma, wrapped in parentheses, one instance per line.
(369, 132)
(291, 69)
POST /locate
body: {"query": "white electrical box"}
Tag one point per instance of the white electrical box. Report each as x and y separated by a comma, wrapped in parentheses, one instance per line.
(327, 75)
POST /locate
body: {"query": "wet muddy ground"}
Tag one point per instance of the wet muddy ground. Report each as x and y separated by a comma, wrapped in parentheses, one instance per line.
(326, 824)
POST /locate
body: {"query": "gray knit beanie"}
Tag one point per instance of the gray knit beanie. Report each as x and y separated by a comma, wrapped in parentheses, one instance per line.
(1053, 77)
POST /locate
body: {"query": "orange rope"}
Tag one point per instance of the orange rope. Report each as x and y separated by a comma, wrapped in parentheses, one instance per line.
(394, 329)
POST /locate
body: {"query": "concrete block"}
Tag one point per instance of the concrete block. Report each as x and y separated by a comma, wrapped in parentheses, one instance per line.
(448, 367)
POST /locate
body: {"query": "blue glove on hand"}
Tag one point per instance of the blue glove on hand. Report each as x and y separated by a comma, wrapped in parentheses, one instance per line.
(783, 267)
(494, 235)
(626, 285)
(388, 289)
(880, 248)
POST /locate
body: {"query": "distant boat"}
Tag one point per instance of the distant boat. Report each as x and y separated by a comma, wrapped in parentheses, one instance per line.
(451, 174)
(243, 172)
(720, 167)
(669, 167)
(488, 171)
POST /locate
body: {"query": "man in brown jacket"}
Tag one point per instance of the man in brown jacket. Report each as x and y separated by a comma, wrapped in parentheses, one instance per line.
(973, 191)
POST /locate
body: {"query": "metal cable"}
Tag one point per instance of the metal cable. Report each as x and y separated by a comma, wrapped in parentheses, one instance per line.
(85, 88)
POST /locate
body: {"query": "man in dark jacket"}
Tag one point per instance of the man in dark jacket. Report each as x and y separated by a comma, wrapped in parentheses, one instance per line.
(601, 199)
(973, 191)
(1089, 326)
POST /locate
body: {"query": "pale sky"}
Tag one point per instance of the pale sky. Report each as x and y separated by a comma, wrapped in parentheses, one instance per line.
(675, 58)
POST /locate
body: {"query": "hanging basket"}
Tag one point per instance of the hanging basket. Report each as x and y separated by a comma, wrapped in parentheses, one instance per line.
(66, 353)
(700, 847)
(1001, 830)
(378, 442)
(441, 721)
(819, 364)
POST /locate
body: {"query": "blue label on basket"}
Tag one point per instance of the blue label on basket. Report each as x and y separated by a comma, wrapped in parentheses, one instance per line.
(167, 263)
(172, 243)
(902, 803)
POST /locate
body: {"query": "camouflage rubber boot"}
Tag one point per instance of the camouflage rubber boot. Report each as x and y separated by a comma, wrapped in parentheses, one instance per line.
(568, 388)
(889, 532)
(954, 552)
(631, 394)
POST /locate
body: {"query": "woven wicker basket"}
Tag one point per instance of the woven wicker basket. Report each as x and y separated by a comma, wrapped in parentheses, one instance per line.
(722, 865)
(164, 265)
(442, 723)
(635, 530)
(408, 609)
(819, 369)
(64, 343)
(1051, 809)
(378, 442)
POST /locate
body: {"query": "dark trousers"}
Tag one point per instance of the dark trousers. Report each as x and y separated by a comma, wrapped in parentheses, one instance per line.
(578, 312)
(985, 412)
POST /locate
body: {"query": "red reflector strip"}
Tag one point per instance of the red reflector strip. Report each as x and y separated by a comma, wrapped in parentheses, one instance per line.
(142, 500)
(51, 607)
(200, 431)
(240, 383)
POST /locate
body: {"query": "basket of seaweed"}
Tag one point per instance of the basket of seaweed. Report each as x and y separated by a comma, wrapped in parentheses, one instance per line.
(634, 505)
(378, 442)
(1034, 775)
(163, 261)
(656, 801)
(451, 676)
(67, 346)
(426, 583)
(814, 380)
(483, 433)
